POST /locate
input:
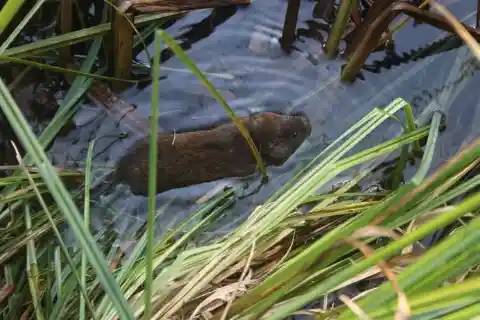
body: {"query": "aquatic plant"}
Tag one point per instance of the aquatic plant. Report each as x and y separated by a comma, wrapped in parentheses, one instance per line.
(302, 245)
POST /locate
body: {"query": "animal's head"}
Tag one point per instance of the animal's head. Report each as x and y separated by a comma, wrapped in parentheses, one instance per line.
(278, 136)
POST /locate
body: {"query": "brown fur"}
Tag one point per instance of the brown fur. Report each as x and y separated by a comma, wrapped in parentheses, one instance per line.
(195, 157)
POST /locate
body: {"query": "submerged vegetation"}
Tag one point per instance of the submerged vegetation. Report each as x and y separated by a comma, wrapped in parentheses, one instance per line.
(406, 248)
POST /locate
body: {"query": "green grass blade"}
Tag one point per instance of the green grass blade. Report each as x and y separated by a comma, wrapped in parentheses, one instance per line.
(338, 28)
(152, 175)
(429, 149)
(435, 299)
(32, 269)
(86, 221)
(470, 312)
(49, 279)
(58, 271)
(402, 161)
(62, 70)
(399, 168)
(8, 12)
(411, 125)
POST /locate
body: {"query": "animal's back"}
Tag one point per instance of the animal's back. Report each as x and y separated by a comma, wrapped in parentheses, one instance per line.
(207, 155)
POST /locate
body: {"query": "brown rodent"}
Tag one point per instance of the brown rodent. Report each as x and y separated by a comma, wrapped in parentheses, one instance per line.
(195, 157)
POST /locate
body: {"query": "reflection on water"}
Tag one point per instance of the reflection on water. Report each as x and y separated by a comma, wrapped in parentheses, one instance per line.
(239, 47)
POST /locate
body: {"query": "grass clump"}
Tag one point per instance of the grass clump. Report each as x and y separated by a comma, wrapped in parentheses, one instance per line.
(294, 249)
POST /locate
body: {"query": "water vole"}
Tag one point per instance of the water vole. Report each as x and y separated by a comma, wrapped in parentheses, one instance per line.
(220, 152)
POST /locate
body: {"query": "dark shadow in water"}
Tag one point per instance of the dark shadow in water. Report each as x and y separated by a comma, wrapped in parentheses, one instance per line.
(393, 59)
(196, 32)
(315, 31)
(201, 30)
(149, 39)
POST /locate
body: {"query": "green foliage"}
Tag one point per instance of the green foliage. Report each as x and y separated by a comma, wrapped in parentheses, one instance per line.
(276, 262)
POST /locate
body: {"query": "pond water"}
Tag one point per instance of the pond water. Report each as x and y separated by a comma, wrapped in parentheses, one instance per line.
(244, 59)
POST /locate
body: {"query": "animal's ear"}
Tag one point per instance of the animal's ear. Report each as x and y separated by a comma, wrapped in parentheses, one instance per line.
(261, 120)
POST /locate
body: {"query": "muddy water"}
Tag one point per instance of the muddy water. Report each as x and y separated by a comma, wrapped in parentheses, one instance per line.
(244, 60)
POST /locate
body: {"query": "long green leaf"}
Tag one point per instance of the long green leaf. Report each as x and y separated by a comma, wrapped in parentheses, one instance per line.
(152, 175)
(8, 12)
(86, 220)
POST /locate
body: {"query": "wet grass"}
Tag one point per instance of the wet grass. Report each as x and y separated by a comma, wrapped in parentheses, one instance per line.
(301, 246)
